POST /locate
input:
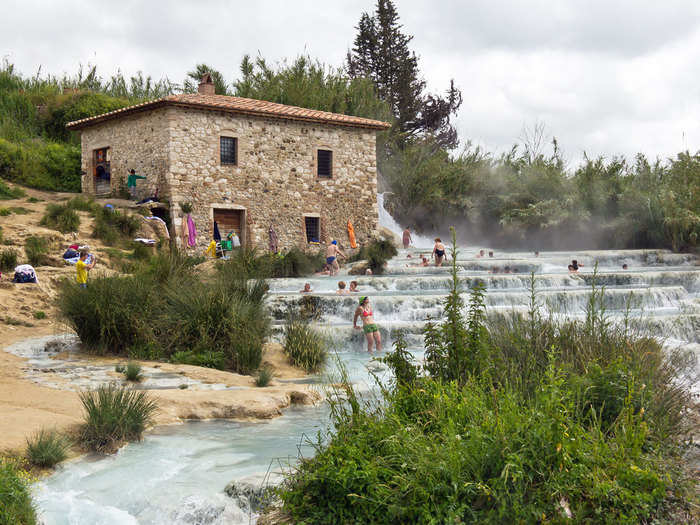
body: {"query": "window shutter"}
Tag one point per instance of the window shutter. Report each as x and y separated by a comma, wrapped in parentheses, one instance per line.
(324, 159)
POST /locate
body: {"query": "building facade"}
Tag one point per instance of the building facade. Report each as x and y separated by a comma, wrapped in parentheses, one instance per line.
(248, 165)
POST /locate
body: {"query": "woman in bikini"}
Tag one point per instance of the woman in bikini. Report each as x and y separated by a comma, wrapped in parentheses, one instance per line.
(368, 326)
(438, 252)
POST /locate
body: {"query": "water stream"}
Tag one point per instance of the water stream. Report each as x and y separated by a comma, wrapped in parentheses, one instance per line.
(178, 473)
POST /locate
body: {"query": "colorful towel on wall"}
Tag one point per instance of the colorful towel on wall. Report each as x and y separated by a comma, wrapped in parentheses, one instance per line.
(274, 242)
(217, 235)
(191, 232)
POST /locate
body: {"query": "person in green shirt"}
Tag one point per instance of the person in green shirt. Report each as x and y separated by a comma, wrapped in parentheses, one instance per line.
(131, 183)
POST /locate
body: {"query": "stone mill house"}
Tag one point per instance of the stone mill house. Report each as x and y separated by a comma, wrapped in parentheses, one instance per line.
(246, 164)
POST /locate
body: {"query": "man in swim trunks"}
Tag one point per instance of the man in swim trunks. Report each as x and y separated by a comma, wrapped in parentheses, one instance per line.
(332, 253)
(364, 311)
(438, 252)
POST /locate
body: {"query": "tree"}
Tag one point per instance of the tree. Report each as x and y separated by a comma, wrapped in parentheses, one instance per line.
(381, 53)
(195, 76)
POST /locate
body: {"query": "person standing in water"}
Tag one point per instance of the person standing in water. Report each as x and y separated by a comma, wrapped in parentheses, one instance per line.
(332, 253)
(407, 238)
(364, 311)
(438, 252)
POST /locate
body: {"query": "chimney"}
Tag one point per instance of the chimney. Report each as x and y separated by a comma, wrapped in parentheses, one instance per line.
(206, 86)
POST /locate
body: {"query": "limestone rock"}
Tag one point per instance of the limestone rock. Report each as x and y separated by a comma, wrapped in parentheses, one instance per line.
(250, 497)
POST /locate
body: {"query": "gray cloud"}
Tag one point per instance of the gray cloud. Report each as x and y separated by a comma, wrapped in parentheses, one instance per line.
(607, 78)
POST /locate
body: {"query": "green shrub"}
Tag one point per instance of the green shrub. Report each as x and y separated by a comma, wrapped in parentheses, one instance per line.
(8, 192)
(19, 210)
(39, 314)
(111, 315)
(40, 164)
(142, 252)
(82, 204)
(114, 415)
(77, 106)
(264, 377)
(36, 248)
(34, 199)
(4, 212)
(132, 372)
(164, 311)
(8, 259)
(47, 448)
(206, 359)
(304, 345)
(16, 507)
(376, 253)
(61, 217)
(113, 226)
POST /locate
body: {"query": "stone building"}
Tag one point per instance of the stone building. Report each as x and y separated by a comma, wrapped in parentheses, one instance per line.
(247, 164)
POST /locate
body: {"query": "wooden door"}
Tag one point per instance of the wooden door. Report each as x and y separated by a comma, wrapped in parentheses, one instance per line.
(230, 220)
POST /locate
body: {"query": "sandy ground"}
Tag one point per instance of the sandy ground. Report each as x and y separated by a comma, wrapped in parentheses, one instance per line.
(26, 407)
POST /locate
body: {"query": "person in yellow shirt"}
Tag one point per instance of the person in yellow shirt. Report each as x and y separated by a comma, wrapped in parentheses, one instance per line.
(82, 269)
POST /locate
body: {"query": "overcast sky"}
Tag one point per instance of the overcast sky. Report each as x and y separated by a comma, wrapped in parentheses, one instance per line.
(605, 77)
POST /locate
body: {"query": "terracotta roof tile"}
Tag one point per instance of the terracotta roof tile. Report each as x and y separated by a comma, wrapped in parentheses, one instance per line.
(243, 106)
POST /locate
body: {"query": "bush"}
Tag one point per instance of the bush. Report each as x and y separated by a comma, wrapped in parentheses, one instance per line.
(8, 259)
(47, 448)
(39, 314)
(206, 359)
(16, 507)
(304, 345)
(114, 415)
(264, 377)
(39, 164)
(377, 253)
(164, 311)
(4, 212)
(36, 248)
(82, 204)
(132, 372)
(111, 315)
(113, 226)
(61, 217)
(8, 192)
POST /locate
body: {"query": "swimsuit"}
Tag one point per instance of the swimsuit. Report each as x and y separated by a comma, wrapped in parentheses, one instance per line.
(330, 260)
(440, 253)
(370, 328)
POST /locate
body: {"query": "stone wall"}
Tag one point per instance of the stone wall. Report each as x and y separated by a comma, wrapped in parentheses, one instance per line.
(275, 180)
(138, 142)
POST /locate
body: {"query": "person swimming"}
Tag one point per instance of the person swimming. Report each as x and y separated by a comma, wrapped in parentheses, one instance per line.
(370, 329)
(490, 254)
(341, 288)
(438, 252)
(480, 254)
(353, 286)
(307, 288)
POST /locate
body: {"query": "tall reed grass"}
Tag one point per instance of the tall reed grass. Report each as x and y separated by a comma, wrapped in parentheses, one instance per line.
(114, 415)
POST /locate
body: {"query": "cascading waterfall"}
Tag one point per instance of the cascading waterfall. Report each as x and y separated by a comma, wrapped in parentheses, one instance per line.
(386, 220)
(178, 474)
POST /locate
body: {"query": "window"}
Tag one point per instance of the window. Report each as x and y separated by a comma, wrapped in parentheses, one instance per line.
(325, 163)
(313, 229)
(229, 150)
